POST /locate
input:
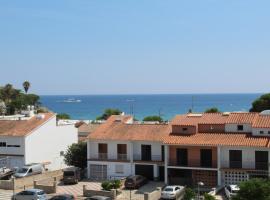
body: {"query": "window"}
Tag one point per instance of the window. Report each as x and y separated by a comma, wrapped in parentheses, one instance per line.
(261, 132)
(181, 157)
(235, 159)
(3, 144)
(206, 157)
(269, 132)
(261, 160)
(102, 151)
(240, 127)
(119, 169)
(13, 146)
(184, 129)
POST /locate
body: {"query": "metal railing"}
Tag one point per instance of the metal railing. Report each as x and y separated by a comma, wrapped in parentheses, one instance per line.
(191, 163)
(121, 156)
(105, 156)
(139, 157)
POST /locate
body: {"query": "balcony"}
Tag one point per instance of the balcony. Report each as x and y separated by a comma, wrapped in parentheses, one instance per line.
(191, 163)
(262, 166)
(154, 158)
(106, 157)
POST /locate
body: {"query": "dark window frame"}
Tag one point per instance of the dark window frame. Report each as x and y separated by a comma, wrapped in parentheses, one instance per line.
(236, 159)
(240, 127)
(206, 161)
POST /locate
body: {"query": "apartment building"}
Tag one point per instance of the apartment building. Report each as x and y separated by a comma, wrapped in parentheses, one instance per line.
(34, 139)
(215, 148)
(120, 148)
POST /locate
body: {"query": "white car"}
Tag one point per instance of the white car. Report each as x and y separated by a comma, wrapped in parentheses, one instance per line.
(31, 194)
(231, 190)
(171, 192)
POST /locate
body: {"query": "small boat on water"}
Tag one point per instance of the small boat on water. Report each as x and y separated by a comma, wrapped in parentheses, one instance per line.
(71, 100)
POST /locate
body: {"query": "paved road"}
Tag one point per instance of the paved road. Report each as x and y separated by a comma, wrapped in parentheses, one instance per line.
(5, 194)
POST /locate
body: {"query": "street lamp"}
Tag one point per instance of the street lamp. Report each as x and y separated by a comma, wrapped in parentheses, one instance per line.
(199, 184)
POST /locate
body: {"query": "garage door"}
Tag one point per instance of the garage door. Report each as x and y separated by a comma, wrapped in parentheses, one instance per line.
(98, 172)
(145, 170)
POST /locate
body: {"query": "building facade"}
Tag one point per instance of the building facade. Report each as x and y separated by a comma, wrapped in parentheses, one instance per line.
(35, 139)
(215, 148)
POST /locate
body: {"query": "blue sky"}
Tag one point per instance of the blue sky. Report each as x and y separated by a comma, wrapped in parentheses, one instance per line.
(138, 46)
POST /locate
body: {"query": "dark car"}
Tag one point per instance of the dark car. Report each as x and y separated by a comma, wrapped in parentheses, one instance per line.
(63, 197)
(98, 198)
(136, 181)
(72, 175)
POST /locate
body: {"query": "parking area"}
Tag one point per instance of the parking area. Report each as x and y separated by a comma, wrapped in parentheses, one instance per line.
(138, 194)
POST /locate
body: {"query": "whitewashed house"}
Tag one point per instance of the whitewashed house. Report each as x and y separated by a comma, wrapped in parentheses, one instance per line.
(34, 139)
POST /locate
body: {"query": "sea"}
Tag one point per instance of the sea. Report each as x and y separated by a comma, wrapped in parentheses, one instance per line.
(88, 107)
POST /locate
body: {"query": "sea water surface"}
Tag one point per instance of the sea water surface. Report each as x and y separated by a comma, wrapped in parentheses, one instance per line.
(166, 105)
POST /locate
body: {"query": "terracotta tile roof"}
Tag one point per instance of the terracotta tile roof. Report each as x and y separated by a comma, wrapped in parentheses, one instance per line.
(195, 119)
(262, 121)
(242, 118)
(115, 130)
(22, 127)
(218, 139)
(88, 128)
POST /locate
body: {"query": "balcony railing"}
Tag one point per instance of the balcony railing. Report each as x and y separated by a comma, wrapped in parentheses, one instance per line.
(105, 156)
(155, 158)
(121, 156)
(261, 166)
(191, 163)
(235, 164)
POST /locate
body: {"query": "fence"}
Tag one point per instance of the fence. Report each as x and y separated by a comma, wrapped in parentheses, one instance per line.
(89, 193)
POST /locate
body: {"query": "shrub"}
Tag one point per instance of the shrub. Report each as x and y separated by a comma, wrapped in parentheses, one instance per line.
(109, 185)
(189, 194)
(208, 197)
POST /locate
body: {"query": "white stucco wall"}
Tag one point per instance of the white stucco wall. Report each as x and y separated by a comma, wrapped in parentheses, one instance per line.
(46, 143)
(111, 173)
(112, 148)
(233, 128)
(14, 155)
(155, 149)
(248, 156)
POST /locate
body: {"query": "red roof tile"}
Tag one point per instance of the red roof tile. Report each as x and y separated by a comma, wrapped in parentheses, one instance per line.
(262, 121)
(22, 127)
(242, 118)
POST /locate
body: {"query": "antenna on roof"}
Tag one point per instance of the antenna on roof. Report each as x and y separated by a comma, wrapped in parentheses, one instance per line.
(192, 104)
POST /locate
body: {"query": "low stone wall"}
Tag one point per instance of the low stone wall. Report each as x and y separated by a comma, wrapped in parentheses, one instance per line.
(26, 182)
(6, 184)
(89, 193)
(49, 188)
(153, 195)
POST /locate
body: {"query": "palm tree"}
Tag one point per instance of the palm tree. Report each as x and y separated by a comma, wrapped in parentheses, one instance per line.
(26, 86)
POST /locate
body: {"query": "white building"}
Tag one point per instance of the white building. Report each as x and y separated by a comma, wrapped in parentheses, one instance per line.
(120, 148)
(35, 139)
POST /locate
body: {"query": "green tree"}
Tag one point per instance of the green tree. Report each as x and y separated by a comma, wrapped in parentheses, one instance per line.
(261, 104)
(154, 118)
(212, 110)
(62, 116)
(258, 189)
(76, 155)
(26, 86)
(208, 197)
(109, 112)
(189, 194)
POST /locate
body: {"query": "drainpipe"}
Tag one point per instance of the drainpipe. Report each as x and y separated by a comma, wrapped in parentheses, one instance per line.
(166, 155)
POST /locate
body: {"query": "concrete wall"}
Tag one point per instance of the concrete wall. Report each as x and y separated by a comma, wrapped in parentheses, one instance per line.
(89, 193)
(153, 195)
(176, 129)
(233, 128)
(46, 143)
(12, 141)
(211, 128)
(256, 132)
(248, 156)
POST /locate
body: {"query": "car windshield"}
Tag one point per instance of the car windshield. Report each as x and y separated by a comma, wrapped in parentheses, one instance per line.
(168, 189)
(22, 170)
(40, 193)
(68, 173)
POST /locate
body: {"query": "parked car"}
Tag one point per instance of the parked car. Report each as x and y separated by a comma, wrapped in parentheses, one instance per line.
(29, 170)
(72, 175)
(98, 198)
(63, 197)
(31, 194)
(135, 181)
(171, 192)
(231, 190)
